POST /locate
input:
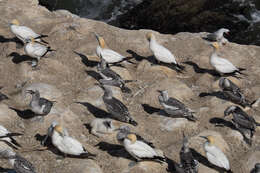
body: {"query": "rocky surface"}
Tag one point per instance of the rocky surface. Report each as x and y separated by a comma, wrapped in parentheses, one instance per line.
(67, 76)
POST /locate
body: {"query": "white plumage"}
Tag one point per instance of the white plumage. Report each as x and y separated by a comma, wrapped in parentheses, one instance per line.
(139, 149)
(23, 32)
(215, 155)
(160, 52)
(65, 143)
(35, 50)
(107, 54)
(3, 132)
(221, 65)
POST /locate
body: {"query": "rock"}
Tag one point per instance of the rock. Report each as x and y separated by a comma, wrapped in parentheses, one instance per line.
(177, 124)
(7, 116)
(86, 166)
(147, 167)
(249, 160)
(123, 72)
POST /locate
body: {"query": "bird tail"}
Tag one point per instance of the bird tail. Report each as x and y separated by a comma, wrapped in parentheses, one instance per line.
(44, 41)
(3, 97)
(133, 122)
(128, 81)
(239, 71)
(88, 155)
(50, 50)
(15, 142)
(191, 117)
(181, 67)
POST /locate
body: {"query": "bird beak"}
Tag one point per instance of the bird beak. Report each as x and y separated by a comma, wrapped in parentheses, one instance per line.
(204, 137)
(97, 36)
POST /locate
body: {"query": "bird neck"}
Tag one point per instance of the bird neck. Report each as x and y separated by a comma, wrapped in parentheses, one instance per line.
(36, 96)
(165, 96)
(214, 53)
(108, 93)
(11, 161)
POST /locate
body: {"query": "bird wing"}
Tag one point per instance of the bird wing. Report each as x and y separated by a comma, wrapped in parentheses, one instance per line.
(48, 104)
(3, 131)
(224, 65)
(23, 166)
(175, 104)
(244, 119)
(140, 138)
(38, 49)
(26, 32)
(163, 54)
(111, 56)
(142, 150)
(110, 74)
(117, 106)
(212, 36)
(217, 157)
(72, 145)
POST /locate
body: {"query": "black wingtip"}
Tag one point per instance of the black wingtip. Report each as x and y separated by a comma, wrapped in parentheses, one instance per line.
(126, 90)
(133, 122)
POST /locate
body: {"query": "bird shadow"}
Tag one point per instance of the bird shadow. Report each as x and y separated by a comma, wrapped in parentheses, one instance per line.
(218, 94)
(98, 113)
(198, 69)
(149, 109)
(173, 166)
(6, 170)
(85, 60)
(203, 160)
(140, 58)
(114, 150)
(94, 74)
(17, 58)
(19, 43)
(24, 114)
(88, 127)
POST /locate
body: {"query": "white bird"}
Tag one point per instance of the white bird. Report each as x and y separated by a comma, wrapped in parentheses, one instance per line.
(141, 150)
(218, 35)
(103, 126)
(109, 55)
(221, 65)
(214, 154)
(36, 49)
(23, 32)
(7, 136)
(161, 53)
(65, 143)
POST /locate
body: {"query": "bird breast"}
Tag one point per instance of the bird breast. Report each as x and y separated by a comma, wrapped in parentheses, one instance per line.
(67, 144)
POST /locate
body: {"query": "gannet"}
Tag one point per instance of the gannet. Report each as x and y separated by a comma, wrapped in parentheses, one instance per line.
(116, 108)
(103, 126)
(23, 32)
(232, 92)
(40, 106)
(3, 96)
(218, 35)
(36, 50)
(221, 65)
(19, 164)
(123, 131)
(65, 143)
(7, 136)
(141, 150)
(174, 107)
(161, 53)
(214, 154)
(188, 163)
(109, 55)
(110, 77)
(241, 119)
(257, 168)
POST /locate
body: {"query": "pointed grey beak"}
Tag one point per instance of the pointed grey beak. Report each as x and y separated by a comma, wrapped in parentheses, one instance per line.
(204, 137)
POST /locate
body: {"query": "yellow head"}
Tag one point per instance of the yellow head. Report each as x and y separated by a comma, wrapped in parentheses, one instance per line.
(15, 22)
(32, 39)
(211, 139)
(149, 35)
(132, 138)
(59, 129)
(215, 45)
(101, 41)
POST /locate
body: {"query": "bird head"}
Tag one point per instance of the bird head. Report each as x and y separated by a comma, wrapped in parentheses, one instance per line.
(59, 129)
(229, 110)
(210, 139)
(149, 36)
(215, 45)
(30, 91)
(101, 41)
(15, 22)
(163, 95)
(224, 30)
(132, 138)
